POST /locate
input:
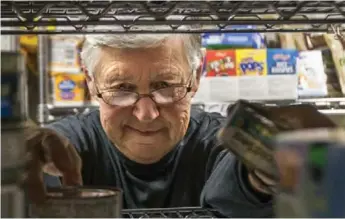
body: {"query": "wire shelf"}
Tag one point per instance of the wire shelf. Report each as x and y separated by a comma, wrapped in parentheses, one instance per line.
(184, 212)
(64, 17)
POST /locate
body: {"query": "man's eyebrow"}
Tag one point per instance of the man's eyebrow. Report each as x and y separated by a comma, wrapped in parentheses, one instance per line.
(168, 75)
(114, 74)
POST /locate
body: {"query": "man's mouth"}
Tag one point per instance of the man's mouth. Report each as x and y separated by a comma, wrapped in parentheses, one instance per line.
(145, 132)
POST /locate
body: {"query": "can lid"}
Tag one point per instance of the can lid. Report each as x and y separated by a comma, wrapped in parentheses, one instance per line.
(76, 192)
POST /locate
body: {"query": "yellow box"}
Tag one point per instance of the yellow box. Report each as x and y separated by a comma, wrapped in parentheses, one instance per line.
(65, 54)
(251, 62)
(69, 89)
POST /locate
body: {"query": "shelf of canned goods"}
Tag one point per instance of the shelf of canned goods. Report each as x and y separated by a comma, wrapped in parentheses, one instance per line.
(171, 16)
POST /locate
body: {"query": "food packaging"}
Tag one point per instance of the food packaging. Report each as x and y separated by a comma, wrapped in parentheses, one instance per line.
(251, 62)
(338, 56)
(312, 80)
(313, 183)
(233, 40)
(281, 61)
(250, 129)
(65, 54)
(68, 89)
(220, 63)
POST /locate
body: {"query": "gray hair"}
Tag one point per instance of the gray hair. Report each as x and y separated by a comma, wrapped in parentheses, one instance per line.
(90, 51)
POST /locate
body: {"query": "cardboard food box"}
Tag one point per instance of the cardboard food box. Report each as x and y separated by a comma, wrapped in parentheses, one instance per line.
(251, 62)
(65, 54)
(68, 89)
(220, 63)
(312, 79)
(282, 74)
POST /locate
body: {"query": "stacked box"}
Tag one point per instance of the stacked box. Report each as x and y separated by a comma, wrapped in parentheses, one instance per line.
(220, 63)
(282, 78)
(69, 89)
(312, 80)
(251, 62)
(64, 56)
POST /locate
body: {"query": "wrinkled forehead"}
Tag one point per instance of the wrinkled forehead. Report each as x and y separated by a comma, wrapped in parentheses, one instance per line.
(168, 58)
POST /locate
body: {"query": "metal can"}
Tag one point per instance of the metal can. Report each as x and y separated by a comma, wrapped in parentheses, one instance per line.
(79, 202)
(312, 181)
(12, 201)
(248, 132)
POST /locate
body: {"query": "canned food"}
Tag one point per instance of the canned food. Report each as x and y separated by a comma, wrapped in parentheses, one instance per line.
(312, 164)
(79, 202)
(248, 133)
(12, 201)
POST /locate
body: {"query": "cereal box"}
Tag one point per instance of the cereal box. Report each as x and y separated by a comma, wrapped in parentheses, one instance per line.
(251, 62)
(281, 61)
(69, 89)
(220, 63)
(311, 74)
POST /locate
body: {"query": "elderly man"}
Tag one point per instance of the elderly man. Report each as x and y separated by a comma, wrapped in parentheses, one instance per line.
(144, 138)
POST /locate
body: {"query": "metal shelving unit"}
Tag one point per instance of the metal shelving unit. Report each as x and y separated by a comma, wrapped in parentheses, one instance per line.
(91, 17)
(171, 16)
(80, 17)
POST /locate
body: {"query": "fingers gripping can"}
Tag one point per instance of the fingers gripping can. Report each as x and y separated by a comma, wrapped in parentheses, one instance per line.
(79, 202)
(312, 166)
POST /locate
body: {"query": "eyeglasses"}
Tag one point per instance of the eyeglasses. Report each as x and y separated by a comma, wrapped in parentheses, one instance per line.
(161, 96)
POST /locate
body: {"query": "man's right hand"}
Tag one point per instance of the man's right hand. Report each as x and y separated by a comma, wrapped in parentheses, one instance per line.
(49, 152)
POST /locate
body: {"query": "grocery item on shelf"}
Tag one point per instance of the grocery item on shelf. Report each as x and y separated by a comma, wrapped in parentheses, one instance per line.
(220, 63)
(333, 83)
(233, 40)
(338, 56)
(314, 185)
(272, 40)
(287, 41)
(251, 62)
(68, 89)
(311, 75)
(300, 41)
(64, 54)
(281, 61)
(293, 41)
(252, 80)
(282, 77)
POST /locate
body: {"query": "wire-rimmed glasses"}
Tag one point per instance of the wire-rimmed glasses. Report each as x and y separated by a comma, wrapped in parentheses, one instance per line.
(163, 96)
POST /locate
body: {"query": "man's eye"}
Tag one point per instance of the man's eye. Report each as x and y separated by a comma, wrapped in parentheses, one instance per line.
(125, 87)
(161, 85)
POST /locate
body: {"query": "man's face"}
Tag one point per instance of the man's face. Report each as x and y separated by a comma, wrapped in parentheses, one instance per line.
(144, 132)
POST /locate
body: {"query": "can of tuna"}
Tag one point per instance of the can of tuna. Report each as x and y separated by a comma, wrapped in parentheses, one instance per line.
(12, 201)
(79, 202)
(312, 180)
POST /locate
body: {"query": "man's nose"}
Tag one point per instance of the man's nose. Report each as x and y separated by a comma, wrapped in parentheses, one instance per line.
(146, 110)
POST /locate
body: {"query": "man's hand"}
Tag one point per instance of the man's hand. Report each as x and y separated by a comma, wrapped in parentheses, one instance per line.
(262, 183)
(53, 154)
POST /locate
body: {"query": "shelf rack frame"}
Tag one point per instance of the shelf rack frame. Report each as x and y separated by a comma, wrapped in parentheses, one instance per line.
(71, 17)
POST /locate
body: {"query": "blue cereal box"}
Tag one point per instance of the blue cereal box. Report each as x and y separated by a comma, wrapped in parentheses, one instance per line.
(281, 61)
